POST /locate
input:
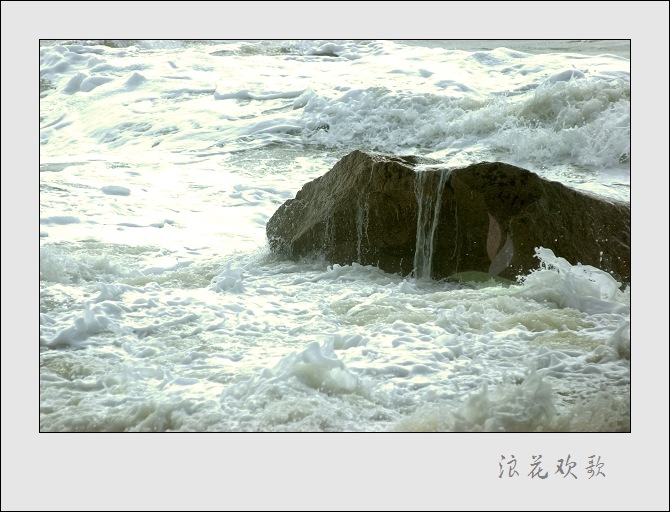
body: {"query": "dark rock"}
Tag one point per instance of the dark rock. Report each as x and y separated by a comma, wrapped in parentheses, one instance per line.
(410, 215)
(474, 277)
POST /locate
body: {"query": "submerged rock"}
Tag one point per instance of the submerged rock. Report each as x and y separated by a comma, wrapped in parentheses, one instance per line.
(411, 215)
(474, 277)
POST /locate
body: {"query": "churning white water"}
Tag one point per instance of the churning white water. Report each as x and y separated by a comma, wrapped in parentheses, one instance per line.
(161, 307)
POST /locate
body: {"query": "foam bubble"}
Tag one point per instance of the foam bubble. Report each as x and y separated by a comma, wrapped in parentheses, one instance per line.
(115, 190)
(62, 265)
(77, 336)
(526, 407)
(229, 280)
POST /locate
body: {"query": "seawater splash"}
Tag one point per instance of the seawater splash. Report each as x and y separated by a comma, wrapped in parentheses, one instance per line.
(316, 367)
(428, 216)
(582, 287)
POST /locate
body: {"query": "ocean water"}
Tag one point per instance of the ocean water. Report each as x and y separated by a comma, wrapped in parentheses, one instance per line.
(162, 308)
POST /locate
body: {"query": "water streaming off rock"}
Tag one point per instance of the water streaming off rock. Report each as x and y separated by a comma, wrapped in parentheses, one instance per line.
(429, 200)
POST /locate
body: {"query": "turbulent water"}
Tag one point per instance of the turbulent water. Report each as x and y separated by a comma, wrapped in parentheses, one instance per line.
(162, 308)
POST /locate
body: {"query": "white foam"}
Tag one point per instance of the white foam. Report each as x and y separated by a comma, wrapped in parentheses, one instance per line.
(77, 336)
(229, 280)
(60, 265)
(60, 219)
(181, 317)
(582, 287)
(135, 80)
(115, 190)
(584, 111)
(526, 407)
(621, 340)
(316, 367)
(248, 95)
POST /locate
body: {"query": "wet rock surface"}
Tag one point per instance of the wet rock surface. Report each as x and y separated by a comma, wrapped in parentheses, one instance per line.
(411, 215)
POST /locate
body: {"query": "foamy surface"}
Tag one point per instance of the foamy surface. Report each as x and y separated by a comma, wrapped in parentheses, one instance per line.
(161, 307)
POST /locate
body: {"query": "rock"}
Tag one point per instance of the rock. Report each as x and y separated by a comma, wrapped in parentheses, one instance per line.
(411, 215)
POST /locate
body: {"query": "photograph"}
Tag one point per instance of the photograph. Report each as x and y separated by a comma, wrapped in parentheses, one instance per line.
(335, 235)
(334, 256)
